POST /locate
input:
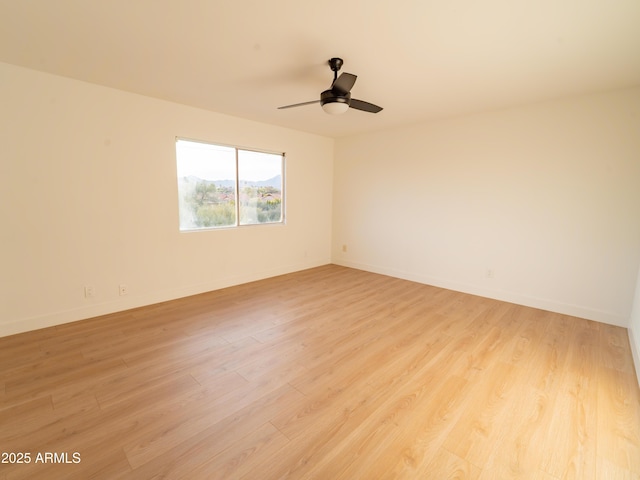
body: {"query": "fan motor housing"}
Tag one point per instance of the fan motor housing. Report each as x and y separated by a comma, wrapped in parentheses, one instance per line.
(329, 96)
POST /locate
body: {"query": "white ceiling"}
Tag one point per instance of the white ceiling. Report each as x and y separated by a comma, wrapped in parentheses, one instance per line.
(419, 59)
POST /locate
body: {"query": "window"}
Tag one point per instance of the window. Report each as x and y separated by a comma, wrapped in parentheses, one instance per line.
(222, 186)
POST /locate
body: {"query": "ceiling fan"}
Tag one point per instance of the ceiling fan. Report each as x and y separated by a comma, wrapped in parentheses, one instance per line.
(338, 99)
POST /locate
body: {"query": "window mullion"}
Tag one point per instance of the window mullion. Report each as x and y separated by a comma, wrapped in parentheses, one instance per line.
(237, 190)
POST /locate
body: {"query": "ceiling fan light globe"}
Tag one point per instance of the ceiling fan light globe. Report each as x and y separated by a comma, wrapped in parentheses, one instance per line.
(335, 108)
(334, 104)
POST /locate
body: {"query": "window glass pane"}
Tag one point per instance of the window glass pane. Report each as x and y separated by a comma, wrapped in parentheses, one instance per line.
(260, 184)
(206, 185)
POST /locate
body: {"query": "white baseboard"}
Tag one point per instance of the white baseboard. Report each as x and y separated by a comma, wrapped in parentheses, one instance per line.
(496, 294)
(634, 351)
(135, 301)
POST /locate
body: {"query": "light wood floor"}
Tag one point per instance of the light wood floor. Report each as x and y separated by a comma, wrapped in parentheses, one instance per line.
(330, 373)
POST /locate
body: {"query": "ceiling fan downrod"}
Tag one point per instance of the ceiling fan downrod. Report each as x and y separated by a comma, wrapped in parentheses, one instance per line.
(335, 64)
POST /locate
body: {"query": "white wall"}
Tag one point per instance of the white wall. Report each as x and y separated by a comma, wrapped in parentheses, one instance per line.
(546, 197)
(634, 328)
(88, 196)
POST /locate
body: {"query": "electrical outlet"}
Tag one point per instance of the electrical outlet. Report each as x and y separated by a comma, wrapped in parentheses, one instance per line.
(123, 289)
(344, 248)
(490, 273)
(89, 291)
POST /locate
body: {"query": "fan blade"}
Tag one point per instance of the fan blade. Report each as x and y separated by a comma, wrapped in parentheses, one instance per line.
(364, 106)
(299, 104)
(344, 83)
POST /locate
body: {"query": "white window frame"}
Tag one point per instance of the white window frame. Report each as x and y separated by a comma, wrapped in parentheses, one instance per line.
(238, 206)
